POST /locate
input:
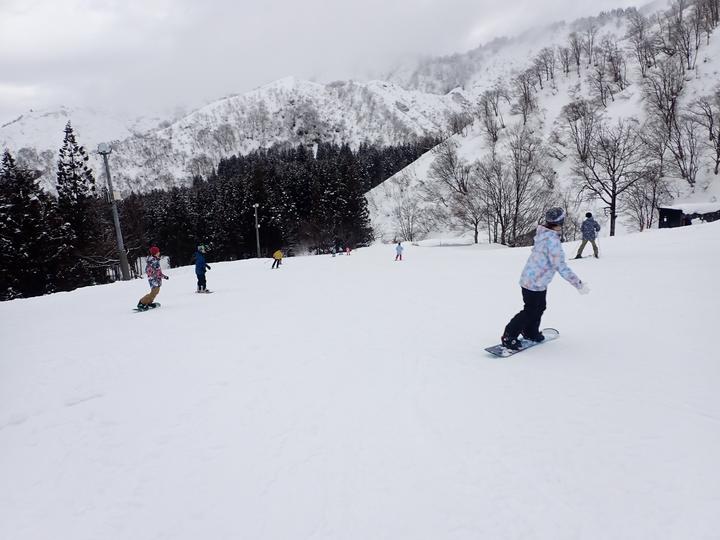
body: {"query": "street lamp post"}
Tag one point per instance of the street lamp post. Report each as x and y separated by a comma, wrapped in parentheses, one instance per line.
(104, 150)
(257, 229)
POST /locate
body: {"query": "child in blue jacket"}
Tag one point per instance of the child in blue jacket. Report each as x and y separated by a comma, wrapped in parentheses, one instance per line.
(200, 268)
(546, 258)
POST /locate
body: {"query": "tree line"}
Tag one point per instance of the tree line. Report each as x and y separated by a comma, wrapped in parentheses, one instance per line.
(308, 199)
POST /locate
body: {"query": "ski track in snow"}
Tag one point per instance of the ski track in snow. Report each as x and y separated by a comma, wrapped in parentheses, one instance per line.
(350, 397)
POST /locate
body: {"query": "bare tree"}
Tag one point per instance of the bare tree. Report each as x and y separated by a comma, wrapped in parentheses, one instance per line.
(707, 112)
(662, 88)
(599, 83)
(615, 161)
(684, 147)
(642, 40)
(685, 31)
(709, 13)
(407, 212)
(488, 111)
(524, 93)
(455, 189)
(644, 197)
(546, 60)
(459, 122)
(514, 186)
(488, 119)
(495, 95)
(576, 47)
(573, 222)
(655, 137)
(497, 190)
(615, 62)
(527, 159)
(581, 122)
(564, 54)
(588, 42)
(666, 36)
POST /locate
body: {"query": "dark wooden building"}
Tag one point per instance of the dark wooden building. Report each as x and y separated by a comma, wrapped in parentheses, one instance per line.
(678, 215)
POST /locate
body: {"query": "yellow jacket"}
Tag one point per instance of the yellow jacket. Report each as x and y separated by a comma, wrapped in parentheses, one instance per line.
(277, 255)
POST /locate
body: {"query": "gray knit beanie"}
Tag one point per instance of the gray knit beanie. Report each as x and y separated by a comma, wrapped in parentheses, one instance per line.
(555, 216)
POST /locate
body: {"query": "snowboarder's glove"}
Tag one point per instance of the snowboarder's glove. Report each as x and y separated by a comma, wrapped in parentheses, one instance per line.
(584, 288)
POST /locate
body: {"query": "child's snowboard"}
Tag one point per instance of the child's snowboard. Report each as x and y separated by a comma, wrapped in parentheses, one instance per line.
(150, 306)
(203, 292)
(498, 350)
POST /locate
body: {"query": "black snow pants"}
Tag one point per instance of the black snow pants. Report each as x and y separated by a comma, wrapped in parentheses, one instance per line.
(202, 284)
(527, 322)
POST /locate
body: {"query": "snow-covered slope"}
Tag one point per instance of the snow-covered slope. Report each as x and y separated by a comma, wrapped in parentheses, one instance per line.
(286, 111)
(502, 60)
(350, 397)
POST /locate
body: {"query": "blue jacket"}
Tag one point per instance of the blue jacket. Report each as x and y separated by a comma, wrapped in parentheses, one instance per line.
(200, 265)
(589, 229)
(399, 249)
(546, 258)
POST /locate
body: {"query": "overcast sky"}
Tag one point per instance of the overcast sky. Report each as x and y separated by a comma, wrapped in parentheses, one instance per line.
(150, 55)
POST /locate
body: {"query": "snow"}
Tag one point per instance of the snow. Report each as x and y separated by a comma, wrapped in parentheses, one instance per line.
(350, 397)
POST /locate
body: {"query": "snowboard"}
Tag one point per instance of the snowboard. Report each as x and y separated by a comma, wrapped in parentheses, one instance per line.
(157, 305)
(498, 350)
(203, 292)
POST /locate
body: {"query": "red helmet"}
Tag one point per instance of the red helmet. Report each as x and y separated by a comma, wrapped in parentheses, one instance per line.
(154, 251)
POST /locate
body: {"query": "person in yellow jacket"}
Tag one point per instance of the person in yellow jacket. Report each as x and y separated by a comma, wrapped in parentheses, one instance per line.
(277, 256)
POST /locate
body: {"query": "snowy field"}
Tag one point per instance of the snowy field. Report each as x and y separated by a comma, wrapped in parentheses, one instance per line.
(350, 398)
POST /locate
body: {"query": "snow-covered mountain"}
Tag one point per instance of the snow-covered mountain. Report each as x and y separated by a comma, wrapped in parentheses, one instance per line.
(286, 111)
(417, 99)
(36, 136)
(501, 60)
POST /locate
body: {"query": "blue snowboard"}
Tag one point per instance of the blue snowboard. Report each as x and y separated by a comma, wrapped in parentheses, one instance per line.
(498, 350)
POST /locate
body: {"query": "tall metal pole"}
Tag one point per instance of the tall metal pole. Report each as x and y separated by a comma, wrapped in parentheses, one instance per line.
(104, 150)
(257, 230)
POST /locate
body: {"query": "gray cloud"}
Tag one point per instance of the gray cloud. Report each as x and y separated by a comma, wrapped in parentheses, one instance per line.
(147, 55)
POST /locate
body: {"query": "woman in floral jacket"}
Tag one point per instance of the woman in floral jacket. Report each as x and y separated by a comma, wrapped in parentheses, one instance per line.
(155, 277)
(546, 258)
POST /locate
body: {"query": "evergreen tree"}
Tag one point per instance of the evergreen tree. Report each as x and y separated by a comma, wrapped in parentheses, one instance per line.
(34, 241)
(80, 208)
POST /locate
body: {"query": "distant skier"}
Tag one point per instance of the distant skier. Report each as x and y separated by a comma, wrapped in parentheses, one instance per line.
(201, 266)
(546, 258)
(155, 277)
(399, 251)
(589, 229)
(277, 259)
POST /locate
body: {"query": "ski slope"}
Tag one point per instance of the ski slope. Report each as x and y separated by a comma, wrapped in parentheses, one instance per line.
(350, 398)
